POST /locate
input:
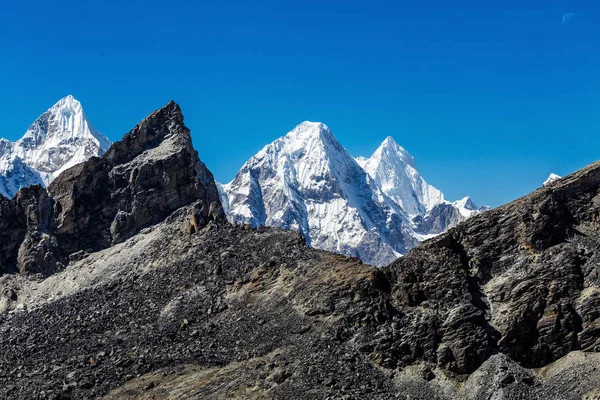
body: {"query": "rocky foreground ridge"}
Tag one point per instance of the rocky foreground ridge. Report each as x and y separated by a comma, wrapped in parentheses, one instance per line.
(124, 280)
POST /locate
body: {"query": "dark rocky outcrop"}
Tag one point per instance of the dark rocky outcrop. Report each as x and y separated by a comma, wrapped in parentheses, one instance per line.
(439, 219)
(25, 222)
(138, 182)
(521, 279)
(163, 298)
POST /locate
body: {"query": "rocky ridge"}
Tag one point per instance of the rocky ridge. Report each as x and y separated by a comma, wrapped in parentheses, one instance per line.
(139, 181)
(187, 305)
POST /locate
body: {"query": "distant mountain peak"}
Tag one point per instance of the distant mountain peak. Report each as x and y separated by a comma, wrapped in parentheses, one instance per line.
(312, 124)
(551, 178)
(390, 148)
(58, 139)
(467, 203)
(307, 181)
(391, 142)
(68, 100)
(309, 130)
(468, 208)
(395, 171)
(373, 208)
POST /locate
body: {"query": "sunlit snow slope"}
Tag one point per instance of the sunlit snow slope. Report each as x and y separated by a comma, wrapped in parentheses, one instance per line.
(375, 209)
(59, 139)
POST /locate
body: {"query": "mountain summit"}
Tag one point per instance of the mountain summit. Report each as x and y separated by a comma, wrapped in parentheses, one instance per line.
(59, 139)
(375, 209)
(306, 181)
(153, 171)
(395, 170)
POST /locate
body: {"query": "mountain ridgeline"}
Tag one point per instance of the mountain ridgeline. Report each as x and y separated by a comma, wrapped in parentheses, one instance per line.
(59, 139)
(375, 209)
(139, 181)
(133, 284)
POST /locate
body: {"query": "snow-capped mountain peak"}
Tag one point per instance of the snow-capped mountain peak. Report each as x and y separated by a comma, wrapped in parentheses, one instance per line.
(467, 203)
(57, 140)
(308, 129)
(467, 207)
(311, 139)
(64, 122)
(376, 208)
(390, 148)
(307, 181)
(395, 171)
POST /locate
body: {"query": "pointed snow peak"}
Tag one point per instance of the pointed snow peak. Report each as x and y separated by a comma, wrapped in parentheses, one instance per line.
(58, 139)
(309, 134)
(67, 100)
(308, 129)
(312, 124)
(467, 203)
(389, 141)
(65, 120)
(390, 150)
(67, 106)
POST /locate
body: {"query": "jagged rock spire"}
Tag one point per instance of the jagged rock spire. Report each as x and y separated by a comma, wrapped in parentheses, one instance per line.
(140, 181)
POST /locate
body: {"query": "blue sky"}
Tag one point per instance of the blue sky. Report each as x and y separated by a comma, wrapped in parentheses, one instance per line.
(489, 96)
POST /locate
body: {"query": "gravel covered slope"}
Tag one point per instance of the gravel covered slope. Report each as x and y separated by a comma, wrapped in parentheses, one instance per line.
(226, 294)
(231, 312)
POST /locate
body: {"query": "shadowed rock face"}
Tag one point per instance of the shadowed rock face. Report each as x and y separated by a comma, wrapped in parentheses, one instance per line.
(15, 217)
(153, 171)
(139, 181)
(521, 280)
(191, 306)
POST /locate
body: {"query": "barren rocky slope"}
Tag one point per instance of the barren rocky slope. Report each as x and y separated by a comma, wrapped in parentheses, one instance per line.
(175, 302)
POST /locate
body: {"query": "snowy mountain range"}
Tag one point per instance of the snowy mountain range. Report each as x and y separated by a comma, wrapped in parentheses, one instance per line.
(375, 209)
(59, 139)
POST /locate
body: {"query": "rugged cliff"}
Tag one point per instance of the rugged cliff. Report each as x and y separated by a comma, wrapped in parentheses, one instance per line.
(138, 182)
(521, 279)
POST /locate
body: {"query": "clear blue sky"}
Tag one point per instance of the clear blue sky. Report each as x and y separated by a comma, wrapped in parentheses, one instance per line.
(489, 96)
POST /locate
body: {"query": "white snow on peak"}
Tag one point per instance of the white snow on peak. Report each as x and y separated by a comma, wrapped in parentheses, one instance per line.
(59, 139)
(307, 181)
(467, 203)
(395, 171)
(467, 207)
(551, 178)
(375, 209)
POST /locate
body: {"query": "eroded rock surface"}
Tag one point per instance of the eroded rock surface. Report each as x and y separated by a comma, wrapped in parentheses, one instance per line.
(521, 279)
